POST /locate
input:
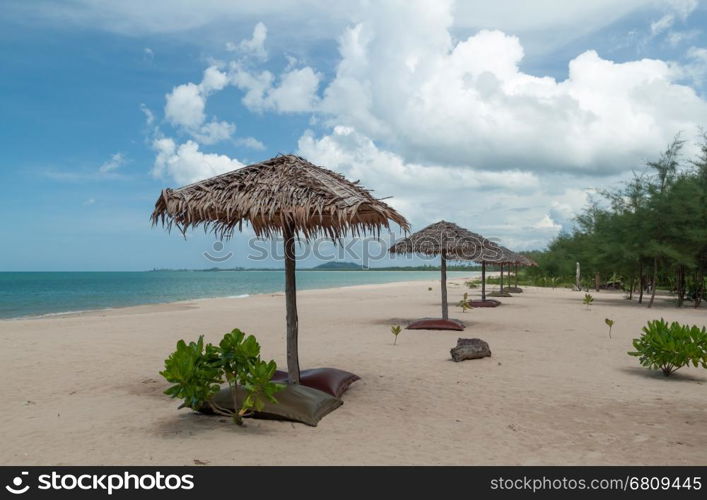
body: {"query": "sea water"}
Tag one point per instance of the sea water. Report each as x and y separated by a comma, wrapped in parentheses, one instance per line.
(41, 293)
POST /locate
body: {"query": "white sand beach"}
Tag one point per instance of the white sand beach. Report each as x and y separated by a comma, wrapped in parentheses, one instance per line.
(85, 389)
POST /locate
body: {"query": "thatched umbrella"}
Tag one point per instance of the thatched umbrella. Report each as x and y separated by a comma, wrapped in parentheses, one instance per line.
(525, 262)
(449, 241)
(284, 195)
(512, 259)
(508, 257)
(491, 254)
(515, 259)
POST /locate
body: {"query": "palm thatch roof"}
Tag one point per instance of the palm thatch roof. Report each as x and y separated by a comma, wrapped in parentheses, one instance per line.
(511, 257)
(527, 261)
(283, 191)
(508, 257)
(456, 242)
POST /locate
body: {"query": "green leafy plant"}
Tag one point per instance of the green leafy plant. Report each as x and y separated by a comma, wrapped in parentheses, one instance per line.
(610, 324)
(668, 347)
(471, 284)
(465, 303)
(588, 299)
(395, 330)
(197, 370)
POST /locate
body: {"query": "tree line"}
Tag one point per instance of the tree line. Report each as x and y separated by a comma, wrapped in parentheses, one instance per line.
(651, 232)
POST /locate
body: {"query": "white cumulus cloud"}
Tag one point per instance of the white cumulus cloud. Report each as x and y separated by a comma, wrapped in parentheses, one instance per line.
(478, 199)
(402, 80)
(456, 128)
(213, 132)
(696, 66)
(185, 108)
(251, 143)
(185, 163)
(254, 46)
(296, 90)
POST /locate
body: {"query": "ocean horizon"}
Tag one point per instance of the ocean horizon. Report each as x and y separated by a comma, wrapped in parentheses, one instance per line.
(36, 294)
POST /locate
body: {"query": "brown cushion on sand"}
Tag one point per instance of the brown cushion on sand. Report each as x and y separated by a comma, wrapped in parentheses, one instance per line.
(436, 324)
(330, 380)
(295, 402)
(485, 303)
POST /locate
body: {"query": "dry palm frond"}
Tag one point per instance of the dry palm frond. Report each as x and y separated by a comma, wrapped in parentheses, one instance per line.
(285, 191)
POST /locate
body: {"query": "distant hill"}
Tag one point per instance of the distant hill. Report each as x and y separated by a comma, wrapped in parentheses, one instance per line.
(338, 266)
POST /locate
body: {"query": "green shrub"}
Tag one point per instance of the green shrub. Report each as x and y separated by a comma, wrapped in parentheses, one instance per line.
(197, 370)
(669, 347)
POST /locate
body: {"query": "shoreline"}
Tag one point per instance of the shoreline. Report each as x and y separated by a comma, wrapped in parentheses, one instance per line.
(77, 313)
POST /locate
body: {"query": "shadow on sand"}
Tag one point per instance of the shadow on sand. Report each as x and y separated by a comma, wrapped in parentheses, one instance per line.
(657, 374)
(188, 423)
(604, 298)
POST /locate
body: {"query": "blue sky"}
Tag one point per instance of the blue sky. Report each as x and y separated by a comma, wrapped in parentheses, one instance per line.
(460, 111)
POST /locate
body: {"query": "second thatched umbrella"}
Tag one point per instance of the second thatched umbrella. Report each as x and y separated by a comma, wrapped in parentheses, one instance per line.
(491, 254)
(506, 257)
(521, 260)
(512, 260)
(284, 195)
(449, 241)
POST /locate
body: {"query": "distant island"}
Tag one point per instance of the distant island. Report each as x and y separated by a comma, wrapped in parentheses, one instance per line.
(339, 266)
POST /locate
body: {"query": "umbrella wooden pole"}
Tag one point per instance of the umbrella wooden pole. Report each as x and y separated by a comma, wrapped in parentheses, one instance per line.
(443, 266)
(483, 280)
(501, 278)
(516, 275)
(291, 305)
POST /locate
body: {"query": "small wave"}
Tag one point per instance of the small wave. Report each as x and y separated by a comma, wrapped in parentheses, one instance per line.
(238, 296)
(57, 314)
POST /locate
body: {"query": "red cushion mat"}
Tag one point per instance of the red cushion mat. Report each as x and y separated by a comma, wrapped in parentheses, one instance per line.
(436, 324)
(330, 380)
(485, 303)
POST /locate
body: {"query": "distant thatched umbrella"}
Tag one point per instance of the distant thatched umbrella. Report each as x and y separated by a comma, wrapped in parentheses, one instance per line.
(449, 241)
(284, 195)
(528, 262)
(492, 254)
(508, 257)
(524, 261)
(512, 258)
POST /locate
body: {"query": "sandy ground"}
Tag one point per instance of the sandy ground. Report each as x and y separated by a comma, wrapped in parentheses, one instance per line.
(85, 389)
